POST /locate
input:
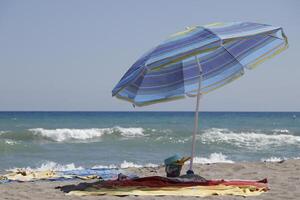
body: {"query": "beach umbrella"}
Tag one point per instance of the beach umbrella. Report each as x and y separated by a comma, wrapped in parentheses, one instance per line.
(198, 60)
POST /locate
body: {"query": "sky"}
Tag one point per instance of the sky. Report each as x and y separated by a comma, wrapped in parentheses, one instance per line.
(63, 55)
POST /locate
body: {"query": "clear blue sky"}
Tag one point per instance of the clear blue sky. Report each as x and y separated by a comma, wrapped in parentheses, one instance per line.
(68, 55)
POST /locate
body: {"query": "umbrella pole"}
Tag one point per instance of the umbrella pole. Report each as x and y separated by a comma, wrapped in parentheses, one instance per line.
(195, 130)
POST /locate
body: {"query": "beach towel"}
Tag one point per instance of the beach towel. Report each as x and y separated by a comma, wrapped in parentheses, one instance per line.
(161, 186)
(196, 191)
(95, 173)
(22, 175)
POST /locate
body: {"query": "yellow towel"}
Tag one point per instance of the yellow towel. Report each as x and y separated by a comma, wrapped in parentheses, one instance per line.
(30, 175)
(197, 191)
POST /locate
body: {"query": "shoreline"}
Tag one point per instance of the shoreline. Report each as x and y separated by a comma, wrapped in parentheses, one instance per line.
(283, 178)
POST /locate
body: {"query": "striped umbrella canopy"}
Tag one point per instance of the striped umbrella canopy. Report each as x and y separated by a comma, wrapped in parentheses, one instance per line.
(197, 61)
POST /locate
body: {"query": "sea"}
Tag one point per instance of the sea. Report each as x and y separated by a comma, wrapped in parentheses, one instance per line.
(72, 140)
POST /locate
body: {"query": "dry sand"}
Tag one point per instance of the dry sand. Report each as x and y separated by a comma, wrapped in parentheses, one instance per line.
(284, 182)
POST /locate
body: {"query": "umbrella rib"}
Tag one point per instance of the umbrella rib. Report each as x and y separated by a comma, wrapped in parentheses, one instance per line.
(223, 46)
(141, 74)
(283, 35)
(227, 49)
(233, 56)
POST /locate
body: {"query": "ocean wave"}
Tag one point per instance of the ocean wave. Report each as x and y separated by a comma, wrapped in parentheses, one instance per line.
(49, 165)
(248, 139)
(125, 164)
(7, 143)
(2, 132)
(273, 159)
(213, 158)
(10, 142)
(281, 131)
(174, 140)
(278, 159)
(65, 134)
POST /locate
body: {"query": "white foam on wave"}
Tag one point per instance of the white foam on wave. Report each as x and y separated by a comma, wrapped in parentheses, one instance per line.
(10, 142)
(65, 134)
(49, 165)
(111, 166)
(273, 159)
(174, 140)
(281, 131)
(278, 159)
(125, 164)
(2, 132)
(213, 158)
(130, 132)
(248, 139)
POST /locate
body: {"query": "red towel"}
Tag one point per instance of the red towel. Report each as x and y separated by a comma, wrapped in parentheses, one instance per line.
(157, 181)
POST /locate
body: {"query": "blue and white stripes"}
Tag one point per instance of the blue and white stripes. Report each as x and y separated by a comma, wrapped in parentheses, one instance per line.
(170, 71)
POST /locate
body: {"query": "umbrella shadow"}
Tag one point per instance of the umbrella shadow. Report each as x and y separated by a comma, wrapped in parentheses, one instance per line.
(80, 186)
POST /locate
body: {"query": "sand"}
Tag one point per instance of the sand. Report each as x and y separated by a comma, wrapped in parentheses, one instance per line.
(284, 182)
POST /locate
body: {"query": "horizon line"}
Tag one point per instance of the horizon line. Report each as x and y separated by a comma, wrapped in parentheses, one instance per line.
(138, 111)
